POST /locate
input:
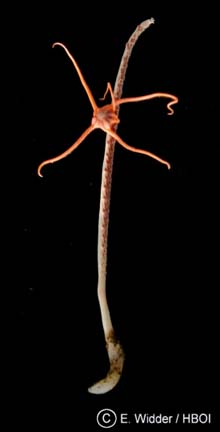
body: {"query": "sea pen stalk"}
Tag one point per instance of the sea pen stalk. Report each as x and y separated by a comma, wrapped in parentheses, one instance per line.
(114, 349)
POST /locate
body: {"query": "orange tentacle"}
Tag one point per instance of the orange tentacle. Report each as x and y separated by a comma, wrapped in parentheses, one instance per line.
(173, 98)
(82, 79)
(66, 152)
(109, 88)
(135, 150)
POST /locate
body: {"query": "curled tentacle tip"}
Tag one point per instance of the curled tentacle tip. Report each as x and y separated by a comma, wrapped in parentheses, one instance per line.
(170, 110)
(39, 171)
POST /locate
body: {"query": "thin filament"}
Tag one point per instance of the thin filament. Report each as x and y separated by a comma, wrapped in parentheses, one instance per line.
(173, 101)
(66, 152)
(109, 88)
(82, 79)
(135, 150)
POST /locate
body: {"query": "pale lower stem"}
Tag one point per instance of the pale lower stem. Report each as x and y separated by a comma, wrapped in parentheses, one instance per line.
(114, 348)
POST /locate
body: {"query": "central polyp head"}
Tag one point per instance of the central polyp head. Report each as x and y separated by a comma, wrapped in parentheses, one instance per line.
(105, 118)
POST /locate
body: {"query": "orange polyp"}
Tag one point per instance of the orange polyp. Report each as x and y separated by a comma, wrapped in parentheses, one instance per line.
(106, 117)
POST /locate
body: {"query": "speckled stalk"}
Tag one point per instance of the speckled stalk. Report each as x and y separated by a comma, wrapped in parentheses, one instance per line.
(114, 348)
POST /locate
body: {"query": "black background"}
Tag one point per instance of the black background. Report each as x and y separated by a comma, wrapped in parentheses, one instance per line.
(163, 237)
